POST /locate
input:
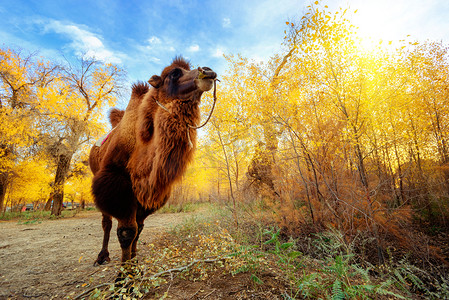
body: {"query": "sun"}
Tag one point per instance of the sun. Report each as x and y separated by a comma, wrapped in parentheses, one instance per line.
(377, 22)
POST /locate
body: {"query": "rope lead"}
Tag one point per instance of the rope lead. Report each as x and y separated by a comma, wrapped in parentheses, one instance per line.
(208, 118)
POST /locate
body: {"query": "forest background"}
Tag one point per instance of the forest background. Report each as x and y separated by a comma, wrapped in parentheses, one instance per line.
(328, 132)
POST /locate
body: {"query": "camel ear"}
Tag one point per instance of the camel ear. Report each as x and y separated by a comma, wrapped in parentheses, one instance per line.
(155, 81)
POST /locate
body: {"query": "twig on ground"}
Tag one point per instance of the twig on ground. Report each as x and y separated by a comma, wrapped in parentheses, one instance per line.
(191, 297)
(209, 294)
(162, 273)
(191, 264)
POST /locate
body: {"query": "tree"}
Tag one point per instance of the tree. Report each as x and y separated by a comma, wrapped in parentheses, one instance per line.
(20, 74)
(72, 106)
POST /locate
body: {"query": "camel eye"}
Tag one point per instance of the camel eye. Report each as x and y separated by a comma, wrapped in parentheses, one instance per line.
(176, 73)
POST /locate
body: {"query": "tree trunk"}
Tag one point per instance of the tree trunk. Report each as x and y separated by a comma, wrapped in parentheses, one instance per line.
(49, 202)
(269, 130)
(3, 184)
(236, 163)
(60, 178)
(229, 175)
(442, 145)
(361, 165)
(306, 185)
(3, 175)
(400, 175)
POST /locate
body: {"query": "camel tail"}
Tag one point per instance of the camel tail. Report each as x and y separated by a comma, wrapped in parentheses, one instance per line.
(115, 115)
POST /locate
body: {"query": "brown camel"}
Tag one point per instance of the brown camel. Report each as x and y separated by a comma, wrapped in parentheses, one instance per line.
(147, 151)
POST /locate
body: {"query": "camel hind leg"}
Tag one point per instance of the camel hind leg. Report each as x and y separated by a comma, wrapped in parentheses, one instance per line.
(103, 256)
(114, 197)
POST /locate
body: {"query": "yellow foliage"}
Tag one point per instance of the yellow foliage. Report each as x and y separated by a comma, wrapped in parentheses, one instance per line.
(30, 182)
(353, 137)
(49, 110)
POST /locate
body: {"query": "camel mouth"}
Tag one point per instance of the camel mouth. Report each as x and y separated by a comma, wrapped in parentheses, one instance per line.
(205, 79)
(206, 73)
(198, 80)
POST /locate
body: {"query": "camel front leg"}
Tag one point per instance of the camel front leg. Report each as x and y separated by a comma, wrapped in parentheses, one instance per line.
(103, 256)
(127, 233)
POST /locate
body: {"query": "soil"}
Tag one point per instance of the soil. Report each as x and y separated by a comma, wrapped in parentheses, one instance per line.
(52, 259)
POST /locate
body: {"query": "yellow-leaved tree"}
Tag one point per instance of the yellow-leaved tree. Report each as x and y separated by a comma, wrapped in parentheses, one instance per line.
(72, 109)
(20, 75)
(53, 111)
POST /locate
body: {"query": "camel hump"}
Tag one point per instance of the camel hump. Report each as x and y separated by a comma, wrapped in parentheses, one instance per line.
(115, 115)
(139, 89)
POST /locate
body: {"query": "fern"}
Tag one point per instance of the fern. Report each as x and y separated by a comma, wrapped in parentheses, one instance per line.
(309, 285)
(402, 284)
(360, 271)
(381, 289)
(415, 280)
(411, 279)
(337, 292)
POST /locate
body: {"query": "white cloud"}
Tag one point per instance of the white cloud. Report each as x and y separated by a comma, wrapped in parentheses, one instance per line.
(194, 48)
(226, 23)
(155, 59)
(83, 42)
(154, 40)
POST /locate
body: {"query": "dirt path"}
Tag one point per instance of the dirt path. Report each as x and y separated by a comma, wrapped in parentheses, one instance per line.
(54, 258)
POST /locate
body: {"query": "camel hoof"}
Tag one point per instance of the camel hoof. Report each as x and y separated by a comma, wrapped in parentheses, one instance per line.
(103, 258)
(101, 262)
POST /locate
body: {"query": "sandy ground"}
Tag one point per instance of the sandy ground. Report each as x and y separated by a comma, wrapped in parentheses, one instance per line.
(54, 258)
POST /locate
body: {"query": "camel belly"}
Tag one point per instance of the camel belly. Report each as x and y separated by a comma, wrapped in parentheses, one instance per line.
(113, 192)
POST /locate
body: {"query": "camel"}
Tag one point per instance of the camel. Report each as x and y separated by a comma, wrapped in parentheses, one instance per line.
(147, 151)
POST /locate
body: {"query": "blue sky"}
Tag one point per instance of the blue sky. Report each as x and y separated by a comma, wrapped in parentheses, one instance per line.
(143, 36)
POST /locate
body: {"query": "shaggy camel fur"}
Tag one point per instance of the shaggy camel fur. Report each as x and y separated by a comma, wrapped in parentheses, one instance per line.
(148, 150)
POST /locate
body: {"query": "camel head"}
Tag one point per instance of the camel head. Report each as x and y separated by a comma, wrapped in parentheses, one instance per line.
(178, 81)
